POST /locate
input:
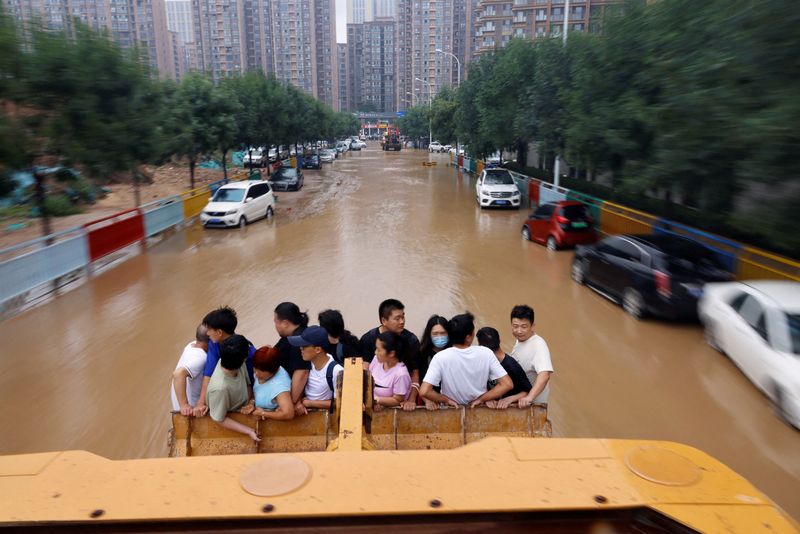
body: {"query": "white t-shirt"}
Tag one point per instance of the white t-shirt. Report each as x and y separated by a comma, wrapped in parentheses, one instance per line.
(193, 360)
(317, 385)
(463, 373)
(533, 355)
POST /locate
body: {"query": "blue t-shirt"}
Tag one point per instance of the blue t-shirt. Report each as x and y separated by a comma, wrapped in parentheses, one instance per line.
(267, 392)
(213, 357)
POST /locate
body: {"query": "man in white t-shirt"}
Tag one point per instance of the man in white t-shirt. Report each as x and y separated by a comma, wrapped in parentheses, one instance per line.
(533, 354)
(321, 384)
(187, 379)
(463, 371)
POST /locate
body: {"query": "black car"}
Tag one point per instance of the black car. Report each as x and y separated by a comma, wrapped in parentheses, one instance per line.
(312, 161)
(657, 274)
(287, 179)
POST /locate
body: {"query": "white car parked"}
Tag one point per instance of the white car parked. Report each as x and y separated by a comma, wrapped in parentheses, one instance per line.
(757, 324)
(435, 146)
(239, 203)
(254, 156)
(496, 189)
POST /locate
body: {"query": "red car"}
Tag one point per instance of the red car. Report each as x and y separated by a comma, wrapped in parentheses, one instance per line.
(560, 224)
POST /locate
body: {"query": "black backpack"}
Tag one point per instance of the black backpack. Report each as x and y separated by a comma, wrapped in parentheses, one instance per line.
(329, 378)
(329, 374)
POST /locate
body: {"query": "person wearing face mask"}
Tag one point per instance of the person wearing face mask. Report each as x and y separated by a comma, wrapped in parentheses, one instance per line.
(434, 339)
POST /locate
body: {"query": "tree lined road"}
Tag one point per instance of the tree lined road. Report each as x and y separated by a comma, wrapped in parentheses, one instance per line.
(91, 369)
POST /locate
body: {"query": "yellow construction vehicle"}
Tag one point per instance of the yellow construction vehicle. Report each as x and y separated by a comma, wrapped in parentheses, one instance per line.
(360, 470)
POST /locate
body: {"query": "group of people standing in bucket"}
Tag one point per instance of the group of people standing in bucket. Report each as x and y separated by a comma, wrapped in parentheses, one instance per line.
(221, 371)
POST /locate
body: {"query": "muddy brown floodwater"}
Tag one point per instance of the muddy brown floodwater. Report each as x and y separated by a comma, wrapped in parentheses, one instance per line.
(91, 368)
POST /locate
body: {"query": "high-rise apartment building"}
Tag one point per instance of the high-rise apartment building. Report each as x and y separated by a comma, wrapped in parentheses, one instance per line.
(355, 46)
(219, 36)
(497, 21)
(372, 64)
(181, 28)
(327, 57)
(152, 35)
(259, 46)
(293, 40)
(423, 27)
(129, 22)
(359, 11)
(384, 8)
(179, 19)
(343, 67)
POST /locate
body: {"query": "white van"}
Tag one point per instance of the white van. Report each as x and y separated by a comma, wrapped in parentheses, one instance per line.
(239, 203)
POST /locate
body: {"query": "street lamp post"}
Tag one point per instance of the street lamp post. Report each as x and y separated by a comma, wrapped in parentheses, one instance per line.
(430, 110)
(459, 84)
(557, 170)
(457, 63)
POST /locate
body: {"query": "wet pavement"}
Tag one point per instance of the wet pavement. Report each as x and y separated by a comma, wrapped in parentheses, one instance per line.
(91, 368)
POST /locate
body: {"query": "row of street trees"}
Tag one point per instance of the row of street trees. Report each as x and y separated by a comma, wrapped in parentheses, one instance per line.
(75, 98)
(696, 99)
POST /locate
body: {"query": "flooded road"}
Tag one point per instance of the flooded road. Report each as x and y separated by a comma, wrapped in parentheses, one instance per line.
(91, 369)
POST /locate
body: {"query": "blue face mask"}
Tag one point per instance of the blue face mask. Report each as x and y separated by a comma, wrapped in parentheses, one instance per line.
(440, 341)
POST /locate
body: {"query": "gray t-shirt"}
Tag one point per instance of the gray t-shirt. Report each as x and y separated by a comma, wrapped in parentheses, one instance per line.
(226, 393)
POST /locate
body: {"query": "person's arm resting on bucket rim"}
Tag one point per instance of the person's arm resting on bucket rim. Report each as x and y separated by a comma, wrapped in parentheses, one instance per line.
(503, 386)
(428, 393)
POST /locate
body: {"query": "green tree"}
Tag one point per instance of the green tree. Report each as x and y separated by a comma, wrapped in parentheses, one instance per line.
(236, 119)
(443, 119)
(467, 115)
(112, 122)
(200, 114)
(502, 123)
(415, 123)
(13, 142)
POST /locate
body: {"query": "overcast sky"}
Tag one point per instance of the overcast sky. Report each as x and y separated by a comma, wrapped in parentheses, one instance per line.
(341, 21)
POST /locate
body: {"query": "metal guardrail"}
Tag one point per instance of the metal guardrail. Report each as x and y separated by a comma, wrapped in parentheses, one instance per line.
(755, 263)
(27, 266)
(67, 251)
(194, 201)
(725, 249)
(162, 214)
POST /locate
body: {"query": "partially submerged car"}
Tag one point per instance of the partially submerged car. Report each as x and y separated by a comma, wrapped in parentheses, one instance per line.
(496, 188)
(287, 179)
(658, 274)
(560, 224)
(757, 324)
(239, 203)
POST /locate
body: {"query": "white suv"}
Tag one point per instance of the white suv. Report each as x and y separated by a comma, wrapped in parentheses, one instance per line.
(496, 188)
(239, 203)
(436, 146)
